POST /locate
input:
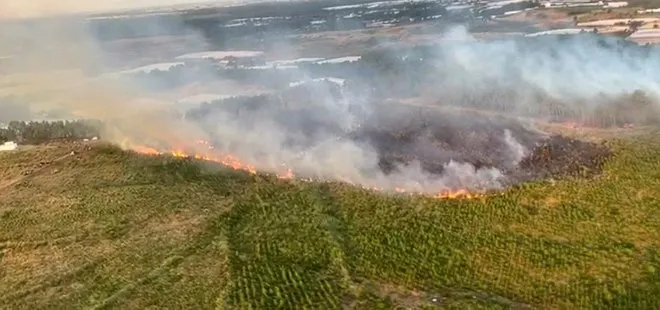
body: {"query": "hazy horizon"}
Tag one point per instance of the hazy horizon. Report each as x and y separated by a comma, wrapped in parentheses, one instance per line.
(11, 9)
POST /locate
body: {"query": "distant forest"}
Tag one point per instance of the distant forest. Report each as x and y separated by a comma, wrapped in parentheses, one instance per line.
(300, 103)
(633, 108)
(23, 132)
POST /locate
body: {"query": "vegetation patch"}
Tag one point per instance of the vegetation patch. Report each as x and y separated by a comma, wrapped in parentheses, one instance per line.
(114, 229)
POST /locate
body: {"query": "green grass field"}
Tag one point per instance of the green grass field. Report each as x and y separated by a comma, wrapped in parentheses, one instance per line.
(104, 228)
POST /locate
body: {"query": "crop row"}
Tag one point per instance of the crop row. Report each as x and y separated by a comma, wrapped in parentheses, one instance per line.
(566, 244)
(282, 252)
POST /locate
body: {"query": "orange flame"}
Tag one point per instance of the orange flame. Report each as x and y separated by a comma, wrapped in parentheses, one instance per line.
(457, 194)
(226, 160)
(147, 150)
(286, 175)
(234, 163)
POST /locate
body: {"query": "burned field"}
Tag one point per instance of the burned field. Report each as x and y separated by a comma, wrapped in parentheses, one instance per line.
(436, 137)
(453, 149)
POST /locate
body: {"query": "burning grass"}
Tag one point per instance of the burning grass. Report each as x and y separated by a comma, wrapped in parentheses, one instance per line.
(456, 154)
(108, 228)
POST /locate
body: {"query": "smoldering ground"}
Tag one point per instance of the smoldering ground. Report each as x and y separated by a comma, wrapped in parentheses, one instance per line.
(324, 131)
(394, 146)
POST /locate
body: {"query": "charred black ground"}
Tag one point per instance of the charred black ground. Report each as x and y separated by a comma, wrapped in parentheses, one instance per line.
(404, 134)
(435, 137)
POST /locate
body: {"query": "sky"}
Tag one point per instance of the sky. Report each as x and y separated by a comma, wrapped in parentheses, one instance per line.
(12, 9)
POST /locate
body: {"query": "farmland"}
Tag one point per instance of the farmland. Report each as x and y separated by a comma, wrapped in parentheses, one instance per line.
(105, 228)
(318, 155)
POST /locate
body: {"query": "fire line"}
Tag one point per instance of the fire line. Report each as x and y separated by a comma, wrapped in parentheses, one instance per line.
(235, 164)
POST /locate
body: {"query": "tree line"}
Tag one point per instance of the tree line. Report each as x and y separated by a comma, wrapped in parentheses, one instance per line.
(39, 132)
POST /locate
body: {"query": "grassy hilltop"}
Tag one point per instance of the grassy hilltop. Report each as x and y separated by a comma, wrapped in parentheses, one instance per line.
(104, 228)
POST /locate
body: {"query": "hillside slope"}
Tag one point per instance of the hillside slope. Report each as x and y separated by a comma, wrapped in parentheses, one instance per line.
(104, 228)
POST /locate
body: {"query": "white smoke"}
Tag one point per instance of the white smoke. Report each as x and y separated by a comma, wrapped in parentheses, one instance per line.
(576, 69)
(519, 151)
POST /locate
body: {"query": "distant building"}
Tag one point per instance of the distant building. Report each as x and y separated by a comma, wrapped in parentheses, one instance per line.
(570, 3)
(645, 36)
(224, 58)
(618, 22)
(616, 4)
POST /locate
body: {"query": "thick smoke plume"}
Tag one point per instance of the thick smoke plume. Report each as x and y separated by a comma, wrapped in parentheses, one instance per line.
(579, 69)
(338, 134)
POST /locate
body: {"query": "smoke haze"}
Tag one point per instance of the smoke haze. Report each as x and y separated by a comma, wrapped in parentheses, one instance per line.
(11, 9)
(54, 65)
